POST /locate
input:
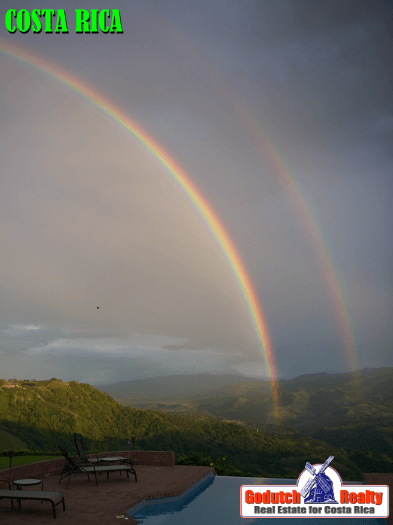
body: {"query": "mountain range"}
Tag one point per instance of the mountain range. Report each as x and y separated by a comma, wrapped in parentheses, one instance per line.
(348, 410)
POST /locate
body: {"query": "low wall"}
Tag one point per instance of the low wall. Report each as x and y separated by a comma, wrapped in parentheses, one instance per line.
(53, 467)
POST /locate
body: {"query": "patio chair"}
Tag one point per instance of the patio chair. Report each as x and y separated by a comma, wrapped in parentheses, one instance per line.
(83, 456)
(55, 498)
(71, 467)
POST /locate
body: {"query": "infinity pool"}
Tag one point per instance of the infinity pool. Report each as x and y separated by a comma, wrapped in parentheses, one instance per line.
(215, 500)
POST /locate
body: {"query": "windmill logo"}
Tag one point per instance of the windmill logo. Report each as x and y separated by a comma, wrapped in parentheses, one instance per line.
(319, 488)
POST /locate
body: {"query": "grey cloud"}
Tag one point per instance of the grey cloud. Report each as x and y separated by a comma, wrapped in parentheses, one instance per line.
(305, 19)
(322, 71)
(186, 346)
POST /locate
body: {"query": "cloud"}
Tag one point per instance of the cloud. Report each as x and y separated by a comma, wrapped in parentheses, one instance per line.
(189, 345)
(18, 329)
(86, 360)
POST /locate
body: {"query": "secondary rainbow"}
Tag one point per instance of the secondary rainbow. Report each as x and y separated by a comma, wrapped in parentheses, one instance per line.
(180, 176)
(302, 204)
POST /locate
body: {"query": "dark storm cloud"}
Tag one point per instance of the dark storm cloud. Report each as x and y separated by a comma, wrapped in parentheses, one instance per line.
(306, 19)
(333, 69)
(317, 75)
(320, 72)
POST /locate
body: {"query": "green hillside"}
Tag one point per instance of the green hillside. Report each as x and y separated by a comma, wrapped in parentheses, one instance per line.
(45, 414)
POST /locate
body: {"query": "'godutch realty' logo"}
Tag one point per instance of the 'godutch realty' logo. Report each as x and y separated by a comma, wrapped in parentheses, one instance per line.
(319, 492)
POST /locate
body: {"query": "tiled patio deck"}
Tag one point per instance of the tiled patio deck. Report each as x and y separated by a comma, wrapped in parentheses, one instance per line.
(88, 503)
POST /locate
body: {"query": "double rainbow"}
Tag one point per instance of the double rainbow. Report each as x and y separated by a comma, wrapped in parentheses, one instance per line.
(182, 178)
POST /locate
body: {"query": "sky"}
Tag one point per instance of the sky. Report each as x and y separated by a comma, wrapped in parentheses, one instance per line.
(279, 112)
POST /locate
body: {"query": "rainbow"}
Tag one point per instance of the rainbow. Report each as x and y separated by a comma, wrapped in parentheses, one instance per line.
(182, 179)
(308, 216)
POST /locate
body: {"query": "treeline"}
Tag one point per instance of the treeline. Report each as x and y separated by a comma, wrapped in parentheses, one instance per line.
(47, 413)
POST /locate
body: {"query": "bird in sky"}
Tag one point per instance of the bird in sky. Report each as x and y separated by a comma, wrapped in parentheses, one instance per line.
(97, 307)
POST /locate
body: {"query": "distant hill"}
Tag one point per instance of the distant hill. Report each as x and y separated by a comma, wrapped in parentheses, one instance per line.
(45, 414)
(176, 387)
(377, 377)
(347, 410)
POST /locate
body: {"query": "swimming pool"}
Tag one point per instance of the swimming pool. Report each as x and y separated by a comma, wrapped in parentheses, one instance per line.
(215, 500)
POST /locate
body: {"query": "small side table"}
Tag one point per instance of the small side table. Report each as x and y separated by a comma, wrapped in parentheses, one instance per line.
(26, 483)
(112, 460)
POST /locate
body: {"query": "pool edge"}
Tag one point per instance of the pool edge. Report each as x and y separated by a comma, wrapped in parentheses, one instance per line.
(170, 499)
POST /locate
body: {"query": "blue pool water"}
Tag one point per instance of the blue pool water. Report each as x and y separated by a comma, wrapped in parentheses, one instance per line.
(216, 500)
